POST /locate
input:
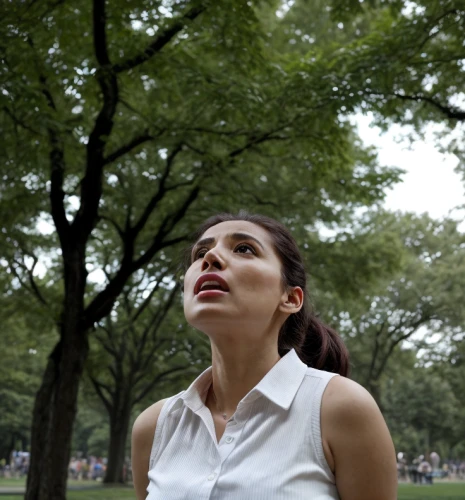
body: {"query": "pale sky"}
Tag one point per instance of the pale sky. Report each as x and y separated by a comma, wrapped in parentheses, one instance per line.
(429, 184)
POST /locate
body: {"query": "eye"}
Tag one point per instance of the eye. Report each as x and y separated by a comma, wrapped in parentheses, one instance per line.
(244, 248)
(200, 253)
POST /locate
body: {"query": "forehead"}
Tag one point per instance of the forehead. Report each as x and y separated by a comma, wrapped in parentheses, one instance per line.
(238, 226)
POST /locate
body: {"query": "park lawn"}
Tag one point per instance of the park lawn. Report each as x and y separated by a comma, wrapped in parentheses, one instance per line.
(98, 491)
(98, 494)
(438, 491)
(104, 494)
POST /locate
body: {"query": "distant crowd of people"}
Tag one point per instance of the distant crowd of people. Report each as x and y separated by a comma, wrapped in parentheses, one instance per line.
(87, 468)
(423, 469)
(420, 470)
(93, 468)
(18, 465)
(90, 468)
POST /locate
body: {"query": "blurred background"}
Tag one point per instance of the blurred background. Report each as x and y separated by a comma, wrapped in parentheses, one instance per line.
(125, 124)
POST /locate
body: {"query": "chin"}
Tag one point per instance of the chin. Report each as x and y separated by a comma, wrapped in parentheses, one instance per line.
(211, 317)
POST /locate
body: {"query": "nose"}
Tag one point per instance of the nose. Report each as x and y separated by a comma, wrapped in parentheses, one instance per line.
(212, 259)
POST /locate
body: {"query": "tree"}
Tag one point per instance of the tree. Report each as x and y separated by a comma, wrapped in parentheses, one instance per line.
(422, 412)
(24, 347)
(425, 292)
(417, 50)
(403, 59)
(163, 113)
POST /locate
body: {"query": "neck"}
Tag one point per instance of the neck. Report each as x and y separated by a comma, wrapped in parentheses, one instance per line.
(236, 372)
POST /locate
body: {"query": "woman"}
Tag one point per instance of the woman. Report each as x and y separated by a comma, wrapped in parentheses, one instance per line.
(270, 419)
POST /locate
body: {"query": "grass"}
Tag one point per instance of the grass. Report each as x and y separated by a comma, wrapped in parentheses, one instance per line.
(100, 492)
(439, 491)
(103, 494)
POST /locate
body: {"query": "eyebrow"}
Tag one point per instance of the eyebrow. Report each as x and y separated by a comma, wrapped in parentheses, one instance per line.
(231, 236)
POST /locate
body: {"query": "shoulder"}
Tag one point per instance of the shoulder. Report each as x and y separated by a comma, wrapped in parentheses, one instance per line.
(143, 432)
(347, 402)
(358, 442)
(348, 409)
(146, 423)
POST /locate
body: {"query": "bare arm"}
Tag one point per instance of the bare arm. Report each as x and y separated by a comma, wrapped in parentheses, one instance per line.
(143, 432)
(357, 443)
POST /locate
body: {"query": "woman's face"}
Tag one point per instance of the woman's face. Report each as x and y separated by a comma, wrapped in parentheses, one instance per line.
(234, 280)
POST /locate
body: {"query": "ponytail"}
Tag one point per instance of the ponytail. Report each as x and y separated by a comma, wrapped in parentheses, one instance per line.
(316, 344)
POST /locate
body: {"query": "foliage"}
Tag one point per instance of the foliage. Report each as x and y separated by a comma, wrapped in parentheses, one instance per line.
(423, 413)
(404, 60)
(24, 348)
(425, 292)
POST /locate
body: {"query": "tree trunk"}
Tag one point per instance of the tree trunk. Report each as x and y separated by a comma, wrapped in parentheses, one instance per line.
(56, 401)
(53, 418)
(6, 449)
(119, 427)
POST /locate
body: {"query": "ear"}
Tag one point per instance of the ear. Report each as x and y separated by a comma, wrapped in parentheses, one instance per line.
(292, 300)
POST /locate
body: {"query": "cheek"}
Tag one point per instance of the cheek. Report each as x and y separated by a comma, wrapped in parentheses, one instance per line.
(267, 282)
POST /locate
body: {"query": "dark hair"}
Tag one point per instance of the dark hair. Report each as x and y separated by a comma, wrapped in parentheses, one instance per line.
(316, 344)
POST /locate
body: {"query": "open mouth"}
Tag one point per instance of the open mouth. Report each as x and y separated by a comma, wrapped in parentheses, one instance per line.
(210, 282)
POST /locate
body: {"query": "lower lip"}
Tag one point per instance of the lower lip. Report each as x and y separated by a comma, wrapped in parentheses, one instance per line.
(211, 293)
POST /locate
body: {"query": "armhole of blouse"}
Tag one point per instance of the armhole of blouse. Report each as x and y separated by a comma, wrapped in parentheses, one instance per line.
(317, 437)
(159, 428)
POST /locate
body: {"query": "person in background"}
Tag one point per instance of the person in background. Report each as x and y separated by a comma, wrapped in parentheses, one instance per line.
(425, 471)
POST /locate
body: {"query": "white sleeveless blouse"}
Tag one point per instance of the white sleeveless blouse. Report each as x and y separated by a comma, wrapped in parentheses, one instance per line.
(271, 448)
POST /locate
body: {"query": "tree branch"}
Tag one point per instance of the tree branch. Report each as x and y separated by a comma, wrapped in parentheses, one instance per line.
(57, 167)
(127, 148)
(20, 122)
(147, 300)
(166, 227)
(158, 195)
(109, 333)
(120, 232)
(100, 35)
(267, 136)
(451, 112)
(411, 330)
(103, 302)
(153, 327)
(91, 185)
(160, 41)
(156, 380)
(374, 356)
(98, 389)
